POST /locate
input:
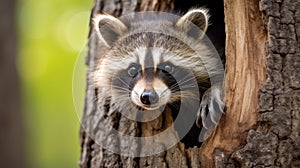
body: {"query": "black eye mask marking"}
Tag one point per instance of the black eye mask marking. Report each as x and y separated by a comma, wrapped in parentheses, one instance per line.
(126, 79)
(174, 76)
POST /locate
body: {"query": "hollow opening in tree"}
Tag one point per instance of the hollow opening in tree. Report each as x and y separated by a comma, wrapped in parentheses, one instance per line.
(216, 29)
(216, 34)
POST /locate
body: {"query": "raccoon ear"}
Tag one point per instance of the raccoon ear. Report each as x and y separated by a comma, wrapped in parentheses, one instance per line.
(108, 28)
(199, 18)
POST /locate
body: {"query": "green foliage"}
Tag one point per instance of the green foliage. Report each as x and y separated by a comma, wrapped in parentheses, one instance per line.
(51, 35)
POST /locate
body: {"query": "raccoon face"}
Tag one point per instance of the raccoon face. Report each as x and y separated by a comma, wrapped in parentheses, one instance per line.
(151, 81)
(149, 69)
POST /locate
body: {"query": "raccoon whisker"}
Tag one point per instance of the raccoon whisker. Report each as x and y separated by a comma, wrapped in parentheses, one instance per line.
(184, 94)
(188, 87)
(172, 88)
(164, 92)
(120, 88)
(189, 95)
(186, 83)
(123, 96)
(181, 94)
(121, 80)
(135, 92)
(185, 79)
(181, 82)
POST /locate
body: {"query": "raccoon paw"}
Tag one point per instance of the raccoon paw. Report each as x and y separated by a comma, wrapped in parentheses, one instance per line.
(211, 108)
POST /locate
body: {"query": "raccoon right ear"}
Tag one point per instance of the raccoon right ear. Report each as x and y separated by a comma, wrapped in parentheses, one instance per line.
(108, 28)
(194, 20)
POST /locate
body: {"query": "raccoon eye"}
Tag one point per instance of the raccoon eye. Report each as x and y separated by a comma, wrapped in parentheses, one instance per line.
(133, 70)
(168, 68)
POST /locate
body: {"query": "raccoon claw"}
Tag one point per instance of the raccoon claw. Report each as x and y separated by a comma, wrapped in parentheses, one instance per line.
(211, 108)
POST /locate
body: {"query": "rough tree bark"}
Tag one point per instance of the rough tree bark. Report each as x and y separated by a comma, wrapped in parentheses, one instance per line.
(262, 122)
(11, 130)
(276, 140)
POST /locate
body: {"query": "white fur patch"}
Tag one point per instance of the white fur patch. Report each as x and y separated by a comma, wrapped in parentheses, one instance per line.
(141, 53)
(156, 53)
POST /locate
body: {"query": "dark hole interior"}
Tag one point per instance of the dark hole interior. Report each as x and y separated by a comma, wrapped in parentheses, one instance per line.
(216, 33)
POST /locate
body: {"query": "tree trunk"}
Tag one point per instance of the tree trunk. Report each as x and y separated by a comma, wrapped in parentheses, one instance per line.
(11, 130)
(275, 142)
(245, 74)
(261, 125)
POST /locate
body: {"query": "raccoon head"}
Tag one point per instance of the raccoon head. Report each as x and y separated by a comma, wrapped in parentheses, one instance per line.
(147, 64)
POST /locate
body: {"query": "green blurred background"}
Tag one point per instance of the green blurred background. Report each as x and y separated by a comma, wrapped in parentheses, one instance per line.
(51, 35)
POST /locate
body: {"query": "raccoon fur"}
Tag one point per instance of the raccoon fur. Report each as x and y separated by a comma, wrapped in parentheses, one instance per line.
(151, 62)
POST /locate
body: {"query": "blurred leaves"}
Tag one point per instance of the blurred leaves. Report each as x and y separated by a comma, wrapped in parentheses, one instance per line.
(51, 35)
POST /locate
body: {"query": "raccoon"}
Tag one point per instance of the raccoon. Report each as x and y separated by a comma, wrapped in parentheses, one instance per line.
(153, 61)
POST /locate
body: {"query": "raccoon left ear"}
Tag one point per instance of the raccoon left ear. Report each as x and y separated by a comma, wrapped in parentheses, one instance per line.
(193, 19)
(108, 28)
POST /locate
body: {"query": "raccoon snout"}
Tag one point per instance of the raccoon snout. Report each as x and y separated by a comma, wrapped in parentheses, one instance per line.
(149, 97)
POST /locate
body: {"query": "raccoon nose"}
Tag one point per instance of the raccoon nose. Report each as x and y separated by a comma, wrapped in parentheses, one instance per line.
(149, 97)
